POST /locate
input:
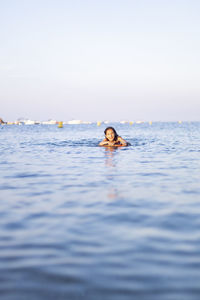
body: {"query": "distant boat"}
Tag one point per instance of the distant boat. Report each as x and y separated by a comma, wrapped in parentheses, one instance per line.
(75, 122)
(29, 122)
(49, 122)
(86, 122)
(123, 122)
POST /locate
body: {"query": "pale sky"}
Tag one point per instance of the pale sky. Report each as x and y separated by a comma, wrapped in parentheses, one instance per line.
(100, 60)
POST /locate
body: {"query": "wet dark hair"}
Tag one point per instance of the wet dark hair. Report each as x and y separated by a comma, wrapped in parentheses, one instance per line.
(113, 129)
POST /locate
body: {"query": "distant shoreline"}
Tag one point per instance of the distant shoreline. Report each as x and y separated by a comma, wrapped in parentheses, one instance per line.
(80, 122)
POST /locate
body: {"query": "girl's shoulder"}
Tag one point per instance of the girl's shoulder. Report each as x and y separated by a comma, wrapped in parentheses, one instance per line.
(122, 141)
(119, 138)
(118, 141)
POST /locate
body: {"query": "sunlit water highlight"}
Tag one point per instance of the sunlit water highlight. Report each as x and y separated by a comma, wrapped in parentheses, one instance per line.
(78, 221)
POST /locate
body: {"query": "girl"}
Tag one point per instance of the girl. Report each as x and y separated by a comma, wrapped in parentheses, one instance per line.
(112, 138)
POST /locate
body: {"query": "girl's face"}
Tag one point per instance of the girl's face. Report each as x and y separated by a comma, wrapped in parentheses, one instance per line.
(110, 135)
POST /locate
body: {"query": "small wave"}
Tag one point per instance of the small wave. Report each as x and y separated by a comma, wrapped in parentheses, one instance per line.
(26, 175)
(8, 187)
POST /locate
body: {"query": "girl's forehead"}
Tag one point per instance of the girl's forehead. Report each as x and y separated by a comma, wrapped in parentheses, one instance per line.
(109, 131)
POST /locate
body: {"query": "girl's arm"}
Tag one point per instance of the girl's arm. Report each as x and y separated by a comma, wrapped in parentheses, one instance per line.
(104, 142)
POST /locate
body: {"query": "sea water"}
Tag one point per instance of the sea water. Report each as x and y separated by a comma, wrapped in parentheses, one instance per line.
(78, 221)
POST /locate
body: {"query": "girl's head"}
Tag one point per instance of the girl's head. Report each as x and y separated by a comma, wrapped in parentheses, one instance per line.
(111, 134)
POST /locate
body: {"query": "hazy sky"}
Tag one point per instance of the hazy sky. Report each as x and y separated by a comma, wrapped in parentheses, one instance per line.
(100, 60)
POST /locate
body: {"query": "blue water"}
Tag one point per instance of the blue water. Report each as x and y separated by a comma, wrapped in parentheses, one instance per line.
(78, 221)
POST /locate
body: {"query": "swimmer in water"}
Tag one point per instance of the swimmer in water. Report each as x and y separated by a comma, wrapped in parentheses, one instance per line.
(112, 138)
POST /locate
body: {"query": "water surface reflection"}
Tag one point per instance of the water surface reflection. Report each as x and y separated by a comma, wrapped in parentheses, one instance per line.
(110, 153)
(111, 167)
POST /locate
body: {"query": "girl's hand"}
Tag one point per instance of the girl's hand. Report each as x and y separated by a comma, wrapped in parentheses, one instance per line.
(103, 143)
(106, 143)
(111, 143)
